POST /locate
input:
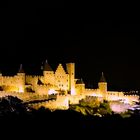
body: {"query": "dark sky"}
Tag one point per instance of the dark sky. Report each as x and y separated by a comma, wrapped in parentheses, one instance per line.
(33, 32)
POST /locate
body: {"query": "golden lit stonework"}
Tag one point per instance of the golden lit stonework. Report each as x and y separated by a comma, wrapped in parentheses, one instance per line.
(61, 83)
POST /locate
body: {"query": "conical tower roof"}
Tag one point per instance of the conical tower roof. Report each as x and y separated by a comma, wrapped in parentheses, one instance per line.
(21, 69)
(47, 67)
(102, 79)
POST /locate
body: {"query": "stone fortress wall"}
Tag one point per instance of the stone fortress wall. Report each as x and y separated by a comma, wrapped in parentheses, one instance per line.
(61, 102)
(61, 82)
(26, 96)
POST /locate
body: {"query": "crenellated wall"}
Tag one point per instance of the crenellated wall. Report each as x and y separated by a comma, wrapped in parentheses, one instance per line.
(79, 88)
(131, 98)
(26, 96)
(62, 102)
(13, 83)
(76, 98)
(93, 92)
(114, 95)
(58, 82)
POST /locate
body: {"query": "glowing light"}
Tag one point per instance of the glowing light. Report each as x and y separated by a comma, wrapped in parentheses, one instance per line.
(96, 95)
(21, 89)
(126, 101)
(51, 91)
(119, 107)
(73, 91)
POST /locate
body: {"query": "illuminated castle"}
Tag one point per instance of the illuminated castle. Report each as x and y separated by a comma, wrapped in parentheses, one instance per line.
(61, 82)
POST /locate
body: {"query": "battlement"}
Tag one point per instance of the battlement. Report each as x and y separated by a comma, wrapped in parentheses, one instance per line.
(34, 76)
(61, 102)
(8, 77)
(132, 95)
(56, 82)
(26, 96)
(89, 89)
(134, 98)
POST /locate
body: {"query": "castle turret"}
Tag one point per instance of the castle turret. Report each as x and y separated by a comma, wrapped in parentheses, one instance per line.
(21, 77)
(71, 72)
(80, 86)
(48, 74)
(102, 85)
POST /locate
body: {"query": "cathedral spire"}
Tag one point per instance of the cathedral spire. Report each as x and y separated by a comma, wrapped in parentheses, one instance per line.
(21, 69)
(102, 79)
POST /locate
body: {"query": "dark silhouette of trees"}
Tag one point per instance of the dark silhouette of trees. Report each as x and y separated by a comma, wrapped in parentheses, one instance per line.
(44, 121)
(10, 105)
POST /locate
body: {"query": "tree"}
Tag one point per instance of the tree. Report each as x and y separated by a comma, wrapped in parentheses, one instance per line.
(92, 106)
(11, 105)
(90, 101)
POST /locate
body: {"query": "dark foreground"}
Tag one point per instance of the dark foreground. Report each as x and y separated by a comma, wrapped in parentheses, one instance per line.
(17, 121)
(56, 124)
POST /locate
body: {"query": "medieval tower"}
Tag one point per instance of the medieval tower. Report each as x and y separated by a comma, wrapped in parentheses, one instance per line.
(60, 84)
(48, 74)
(21, 77)
(102, 85)
(71, 72)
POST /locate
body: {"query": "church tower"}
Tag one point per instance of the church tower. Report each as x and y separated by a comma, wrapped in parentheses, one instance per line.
(48, 74)
(102, 85)
(21, 77)
(71, 72)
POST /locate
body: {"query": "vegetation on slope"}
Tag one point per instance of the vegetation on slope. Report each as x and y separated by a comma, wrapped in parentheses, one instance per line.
(11, 106)
(92, 106)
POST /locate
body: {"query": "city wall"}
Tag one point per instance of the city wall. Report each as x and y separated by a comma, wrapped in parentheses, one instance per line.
(61, 102)
(27, 96)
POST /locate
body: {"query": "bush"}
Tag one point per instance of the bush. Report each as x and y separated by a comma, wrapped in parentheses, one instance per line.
(90, 101)
(11, 105)
(92, 106)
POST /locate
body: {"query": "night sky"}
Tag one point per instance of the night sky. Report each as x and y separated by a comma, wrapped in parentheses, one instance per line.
(33, 32)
